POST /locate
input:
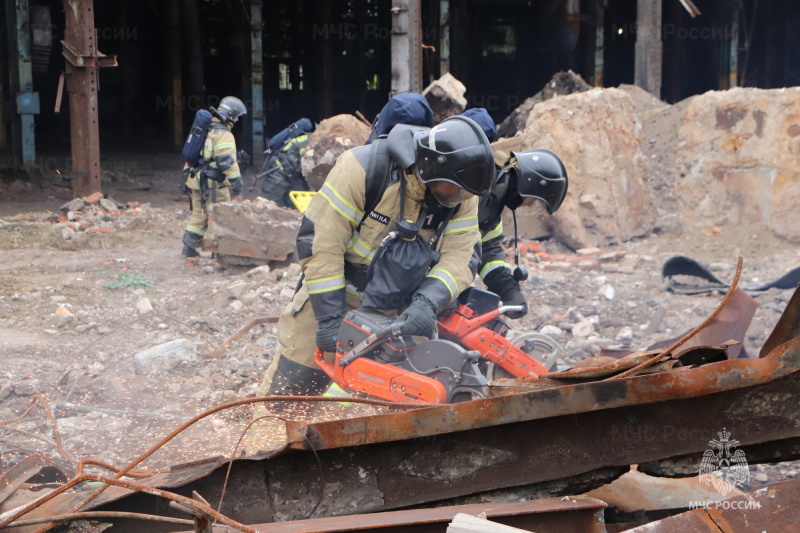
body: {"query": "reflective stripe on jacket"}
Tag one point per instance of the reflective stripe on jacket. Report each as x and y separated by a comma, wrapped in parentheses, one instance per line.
(329, 236)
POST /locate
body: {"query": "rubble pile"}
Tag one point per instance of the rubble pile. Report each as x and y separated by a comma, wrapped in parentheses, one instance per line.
(332, 137)
(446, 97)
(638, 165)
(88, 215)
(608, 196)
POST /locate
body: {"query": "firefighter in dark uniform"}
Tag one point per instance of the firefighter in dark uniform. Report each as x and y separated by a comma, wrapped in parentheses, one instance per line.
(445, 167)
(537, 180)
(219, 174)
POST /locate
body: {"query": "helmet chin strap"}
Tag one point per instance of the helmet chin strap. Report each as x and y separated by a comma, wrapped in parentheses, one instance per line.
(520, 273)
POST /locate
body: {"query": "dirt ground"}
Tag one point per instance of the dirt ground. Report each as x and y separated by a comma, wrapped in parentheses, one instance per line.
(77, 313)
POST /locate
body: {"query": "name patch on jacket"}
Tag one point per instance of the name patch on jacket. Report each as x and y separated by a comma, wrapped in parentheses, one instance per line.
(383, 219)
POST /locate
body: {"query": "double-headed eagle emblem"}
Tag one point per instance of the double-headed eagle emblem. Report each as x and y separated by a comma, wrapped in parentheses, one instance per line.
(722, 466)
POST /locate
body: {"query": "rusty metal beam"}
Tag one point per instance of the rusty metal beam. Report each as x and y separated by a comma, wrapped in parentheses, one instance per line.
(510, 443)
(548, 515)
(777, 509)
(83, 60)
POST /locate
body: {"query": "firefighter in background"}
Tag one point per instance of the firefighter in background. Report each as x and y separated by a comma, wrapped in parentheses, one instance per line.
(283, 173)
(535, 179)
(219, 173)
(440, 172)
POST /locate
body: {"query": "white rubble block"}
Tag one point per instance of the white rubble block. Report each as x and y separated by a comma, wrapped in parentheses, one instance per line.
(607, 291)
(551, 331)
(584, 328)
(236, 289)
(625, 335)
(144, 307)
(258, 271)
(165, 357)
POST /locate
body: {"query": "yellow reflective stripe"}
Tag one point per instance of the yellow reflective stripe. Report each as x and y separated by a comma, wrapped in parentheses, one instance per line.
(359, 247)
(321, 285)
(446, 278)
(340, 204)
(195, 230)
(496, 232)
(459, 225)
(233, 175)
(299, 138)
(221, 146)
(336, 391)
(493, 265)
(352, 290)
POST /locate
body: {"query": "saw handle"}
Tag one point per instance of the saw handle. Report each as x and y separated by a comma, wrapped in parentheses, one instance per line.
(369, 343)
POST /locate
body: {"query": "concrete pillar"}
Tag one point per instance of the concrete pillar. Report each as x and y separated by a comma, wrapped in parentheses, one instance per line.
(647, 67)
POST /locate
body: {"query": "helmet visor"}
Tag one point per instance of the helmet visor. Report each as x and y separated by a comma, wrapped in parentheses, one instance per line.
(448, 193)
(533, 205)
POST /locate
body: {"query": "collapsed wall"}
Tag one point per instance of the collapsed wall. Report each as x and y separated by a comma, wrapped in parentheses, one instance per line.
(638, 165)
(596, 134)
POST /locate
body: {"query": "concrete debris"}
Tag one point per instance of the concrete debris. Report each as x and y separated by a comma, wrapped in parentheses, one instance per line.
(144, 307)
(332, 137)
(164, 357)
(28, 387)
(446, 97)
(600, 149)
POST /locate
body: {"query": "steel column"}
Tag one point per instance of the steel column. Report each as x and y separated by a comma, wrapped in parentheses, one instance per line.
(647, 68)
(599, 42)
(406, 46)
(83, 60)
(26, 101)
(257, 81)
(444, 37)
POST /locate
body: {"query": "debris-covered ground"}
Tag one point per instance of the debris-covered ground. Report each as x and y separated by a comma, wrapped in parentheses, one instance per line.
(81, 308)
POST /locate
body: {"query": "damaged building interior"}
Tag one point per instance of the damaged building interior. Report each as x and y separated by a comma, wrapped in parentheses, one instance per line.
(651, 386)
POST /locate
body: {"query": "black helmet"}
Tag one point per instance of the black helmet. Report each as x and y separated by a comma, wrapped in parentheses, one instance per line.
(456, 151)
(542, 175)
(230, 108)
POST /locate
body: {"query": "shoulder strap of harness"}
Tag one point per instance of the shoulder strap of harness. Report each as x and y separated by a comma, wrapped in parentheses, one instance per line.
(377, 163)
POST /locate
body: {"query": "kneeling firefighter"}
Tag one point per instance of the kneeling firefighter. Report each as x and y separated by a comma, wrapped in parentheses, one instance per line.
(535, 179)
(217, 175)
(393, 228)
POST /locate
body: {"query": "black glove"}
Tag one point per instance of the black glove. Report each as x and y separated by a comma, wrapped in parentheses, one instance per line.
(327, 331)
(213, 174)
(236, 187)
(502, 283)
(243, 159)
(419, 318)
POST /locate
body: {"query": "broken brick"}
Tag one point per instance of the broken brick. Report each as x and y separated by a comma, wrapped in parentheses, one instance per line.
(589, 251)
(93, 198)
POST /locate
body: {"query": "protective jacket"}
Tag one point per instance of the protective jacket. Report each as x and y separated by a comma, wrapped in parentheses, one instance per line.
(336, 239)
(490, 219)
(219, 151)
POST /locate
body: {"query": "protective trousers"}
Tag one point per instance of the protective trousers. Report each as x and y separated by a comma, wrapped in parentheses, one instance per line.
(198, 220)
(293, 370)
